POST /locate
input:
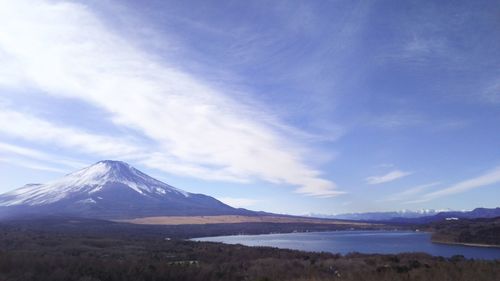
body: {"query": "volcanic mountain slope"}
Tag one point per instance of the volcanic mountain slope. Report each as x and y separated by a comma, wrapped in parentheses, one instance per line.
(110, 189)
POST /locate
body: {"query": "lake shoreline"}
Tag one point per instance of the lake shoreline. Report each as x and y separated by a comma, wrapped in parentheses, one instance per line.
(366, 242)
(311, 232)
(477, 245)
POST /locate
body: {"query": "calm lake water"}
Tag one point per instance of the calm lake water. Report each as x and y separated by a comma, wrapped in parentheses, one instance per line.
(383, 242)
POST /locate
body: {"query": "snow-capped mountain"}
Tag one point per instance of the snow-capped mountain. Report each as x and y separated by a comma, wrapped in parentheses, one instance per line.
(384, 216)
(418, 216)
(109, 189)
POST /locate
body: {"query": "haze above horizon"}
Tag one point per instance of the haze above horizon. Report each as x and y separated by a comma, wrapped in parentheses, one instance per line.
(304, 107)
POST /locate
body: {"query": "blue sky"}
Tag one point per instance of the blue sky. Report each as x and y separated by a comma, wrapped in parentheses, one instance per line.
(283, 106)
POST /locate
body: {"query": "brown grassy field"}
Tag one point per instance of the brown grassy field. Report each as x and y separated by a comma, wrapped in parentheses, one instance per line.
(180, 220)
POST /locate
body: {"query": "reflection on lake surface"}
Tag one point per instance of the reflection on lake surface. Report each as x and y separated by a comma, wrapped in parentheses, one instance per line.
(383, 242)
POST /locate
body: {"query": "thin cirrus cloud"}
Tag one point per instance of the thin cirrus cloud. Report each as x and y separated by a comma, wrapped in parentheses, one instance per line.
(491, 93)
(31, 128)
(391, 176)
(18, 155)
(411, 192)
(198, 130)
(397, 121)
(239, 202)
(30, 164)
(489, 178)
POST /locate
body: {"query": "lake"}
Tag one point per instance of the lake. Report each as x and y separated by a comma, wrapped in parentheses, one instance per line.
(382, 242)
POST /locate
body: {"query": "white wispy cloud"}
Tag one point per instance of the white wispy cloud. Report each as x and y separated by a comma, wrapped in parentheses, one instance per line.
(198, 129)
(30, 164)
(486, 179)
(405, 120)
(34, 129)
(420, 50)
(24, 151)
(238, 202)
(491, 93)
(411, 192)
(11, 151)
(31, 128)
(397, 120)
(391, 176)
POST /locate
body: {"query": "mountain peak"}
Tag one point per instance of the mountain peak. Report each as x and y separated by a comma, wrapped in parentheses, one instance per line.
(110, 166)
(110, 169)
(110, 189)
(89, 181)
(101, 173)
(113, 163)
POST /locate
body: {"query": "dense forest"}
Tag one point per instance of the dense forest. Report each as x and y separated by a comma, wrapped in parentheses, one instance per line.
(467, 231)
(31, 252)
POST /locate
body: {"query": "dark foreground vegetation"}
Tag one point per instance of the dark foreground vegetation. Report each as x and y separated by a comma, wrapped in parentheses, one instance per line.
(75, 252)
(468, 231)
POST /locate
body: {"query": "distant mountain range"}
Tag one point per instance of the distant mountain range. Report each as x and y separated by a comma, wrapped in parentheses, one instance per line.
(474, 214)
(419, 216)
(110, 189)
(382, 216)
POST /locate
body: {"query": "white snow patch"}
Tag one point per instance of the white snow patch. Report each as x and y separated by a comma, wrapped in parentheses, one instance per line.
(87, 201)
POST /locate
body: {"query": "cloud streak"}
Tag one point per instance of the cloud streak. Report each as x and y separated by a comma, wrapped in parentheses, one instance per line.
(391, 176)
(30, 164)
(486, 179)
(31, 128)
(198, 130)
(411, 192)
(13, 152)
(239, 202)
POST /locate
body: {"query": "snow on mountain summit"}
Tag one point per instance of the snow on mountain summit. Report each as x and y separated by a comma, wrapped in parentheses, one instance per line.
(109, 190)
(89, 180)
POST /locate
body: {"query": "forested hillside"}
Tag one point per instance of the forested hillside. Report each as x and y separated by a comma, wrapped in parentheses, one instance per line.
(477, 231)
(33, 254)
